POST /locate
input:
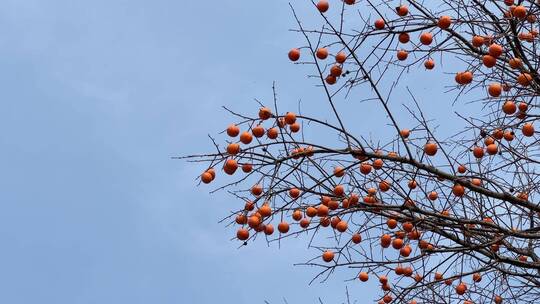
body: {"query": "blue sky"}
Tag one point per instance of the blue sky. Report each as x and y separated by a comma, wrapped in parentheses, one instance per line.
(94, 100)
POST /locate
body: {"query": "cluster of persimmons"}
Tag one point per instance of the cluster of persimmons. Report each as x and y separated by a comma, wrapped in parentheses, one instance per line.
(305, 186)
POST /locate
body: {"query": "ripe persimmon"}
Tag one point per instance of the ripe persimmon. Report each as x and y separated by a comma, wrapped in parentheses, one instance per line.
(206, 177)
(478, 152)
(294, 192)
(461, 289)
(268, 229)
(429, 64)
(241, 219)
(283, 227)
(495, 50)
(405, 252)
(433, 196)
(212, 172)
(246, 138)
(515, 63)
(242, 234)
(363, 276)
(397, 243)
(233, 149)
(341, 57)
(466, 77)
(324, 221)
(384, 186)
(294, 54)
(258, 131)
(233, 130)
(523, 107)
(247, 168)
(249, 206)
(402, 55)
(489, 61)
(339, 190)
(330, 79)
(477, 182)
(295, 127)
(311, 211)
(495, 89)
(272, 133)
(391, 223)
(404, 37)
(339, 171)
(341, 226)
(444, 22)
(408, 226)
(477, 41)
(458, 190)
(265, 113)
(528, 129)
(323, 6)
(230, 166)
(328, 256)
(520, 12)
(378, 164)
(430, 148)
(335, 70)
(322, 210)
(492, 149)
(297, 215)
(322, 53)
(290, 118)
(379, 24)
(508, 135)
(356, 238)
(426, 38)
(386, 240)
(365, 168)
(524, 79)
(509, 107)
(256, 190)
(402, 10)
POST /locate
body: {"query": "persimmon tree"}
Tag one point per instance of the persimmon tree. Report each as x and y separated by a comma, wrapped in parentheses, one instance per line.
(434, 220)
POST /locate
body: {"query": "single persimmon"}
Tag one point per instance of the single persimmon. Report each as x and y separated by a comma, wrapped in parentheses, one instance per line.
(242, 234)
(341, 57)
(528, 129)
(290, 118)
(323, 6)
(458, 190)
(206, 177)
(430, 148)
(246, 138)
(379, 24)
(294, 54)
(444, 22)
(328, 256)
(322, 53)
(233, 130)
(283, 227)
(426, 38)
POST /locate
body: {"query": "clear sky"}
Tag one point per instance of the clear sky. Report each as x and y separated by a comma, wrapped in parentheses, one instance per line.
(95, 97)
